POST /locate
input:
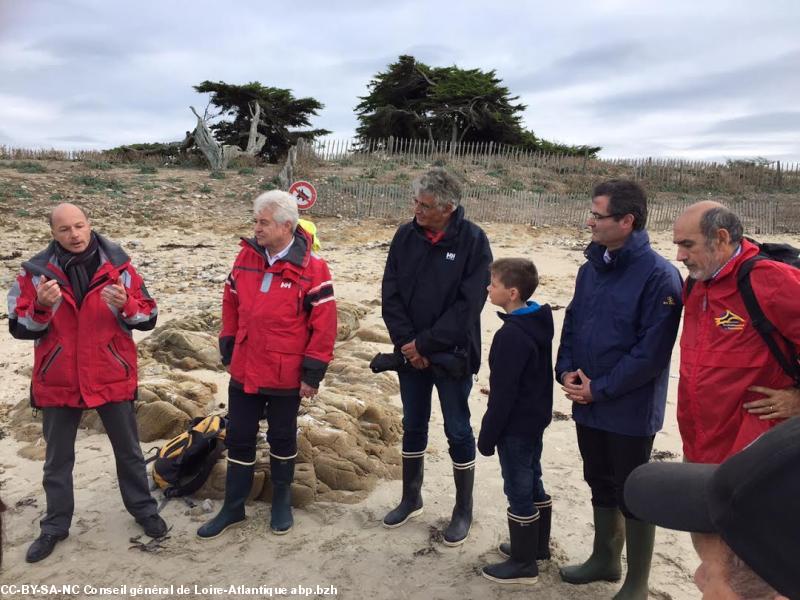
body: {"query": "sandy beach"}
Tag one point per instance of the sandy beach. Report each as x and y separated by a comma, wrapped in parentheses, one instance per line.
(335, 550)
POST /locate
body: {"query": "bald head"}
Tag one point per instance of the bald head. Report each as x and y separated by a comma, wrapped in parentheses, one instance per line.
(706, 234)
(66, 208)
(70, 227)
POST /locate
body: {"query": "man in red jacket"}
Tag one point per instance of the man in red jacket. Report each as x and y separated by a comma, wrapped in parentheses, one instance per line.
(732, 389)
(277, 338)
(79, 299)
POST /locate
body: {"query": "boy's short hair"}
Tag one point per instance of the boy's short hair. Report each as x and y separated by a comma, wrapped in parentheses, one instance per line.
(517, 273)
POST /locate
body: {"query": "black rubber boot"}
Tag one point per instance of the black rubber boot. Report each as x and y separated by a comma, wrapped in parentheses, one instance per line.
(545, 518)
(461, 521)
(639, 538)
(238, 483)
(282, 474)
(411, 503)
(604, 563)
(521, 567)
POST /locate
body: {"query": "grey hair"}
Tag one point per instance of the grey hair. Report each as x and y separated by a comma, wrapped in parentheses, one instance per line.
(440, 184)
(718, 218)
(283, 204)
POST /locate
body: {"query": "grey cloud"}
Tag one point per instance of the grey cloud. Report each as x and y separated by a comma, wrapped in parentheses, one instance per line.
(772, 122)
(593, 63)
(78, 139)
(771, 80)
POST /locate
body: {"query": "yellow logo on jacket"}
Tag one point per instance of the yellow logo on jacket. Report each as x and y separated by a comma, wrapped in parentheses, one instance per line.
(729, 321)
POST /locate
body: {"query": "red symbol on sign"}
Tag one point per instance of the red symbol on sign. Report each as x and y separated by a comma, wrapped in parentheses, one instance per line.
(305, 193)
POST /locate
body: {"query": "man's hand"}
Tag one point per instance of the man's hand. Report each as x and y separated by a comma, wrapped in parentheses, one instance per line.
(413, 356)
(48, 292)
(306, 391)
(577, 387)
(777, 404)
(115, 294)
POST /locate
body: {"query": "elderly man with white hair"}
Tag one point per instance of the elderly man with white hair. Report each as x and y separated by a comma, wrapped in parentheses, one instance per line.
(278, 332)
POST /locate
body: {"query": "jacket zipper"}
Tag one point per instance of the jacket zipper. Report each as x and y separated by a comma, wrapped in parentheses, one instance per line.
(49, 361)
(119, 359)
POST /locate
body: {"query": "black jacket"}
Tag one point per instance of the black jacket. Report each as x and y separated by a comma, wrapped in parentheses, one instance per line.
(520, 382)
(434, 293)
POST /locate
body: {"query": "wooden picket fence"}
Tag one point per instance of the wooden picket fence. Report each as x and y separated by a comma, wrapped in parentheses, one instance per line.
(663, 174)
(764, 215)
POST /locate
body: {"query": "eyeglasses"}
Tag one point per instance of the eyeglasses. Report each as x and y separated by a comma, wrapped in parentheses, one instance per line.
(423, 207)
(598, 217)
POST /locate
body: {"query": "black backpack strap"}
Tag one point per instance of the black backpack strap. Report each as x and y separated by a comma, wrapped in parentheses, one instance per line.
(762, 324)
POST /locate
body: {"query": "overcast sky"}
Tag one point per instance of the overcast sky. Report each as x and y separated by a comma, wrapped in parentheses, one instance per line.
(697, 79)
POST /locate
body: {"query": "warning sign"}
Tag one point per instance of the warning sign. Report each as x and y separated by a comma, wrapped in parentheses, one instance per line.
(305, 193)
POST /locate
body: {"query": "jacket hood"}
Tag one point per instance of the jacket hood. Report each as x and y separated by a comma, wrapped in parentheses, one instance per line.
(537, 324)
(637, 243)
(38, 264)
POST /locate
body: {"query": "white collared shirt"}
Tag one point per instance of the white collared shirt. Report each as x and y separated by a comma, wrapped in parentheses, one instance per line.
(279, 255)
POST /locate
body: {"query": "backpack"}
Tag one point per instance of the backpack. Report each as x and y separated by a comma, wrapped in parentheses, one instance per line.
(182, 465)
(783, 253)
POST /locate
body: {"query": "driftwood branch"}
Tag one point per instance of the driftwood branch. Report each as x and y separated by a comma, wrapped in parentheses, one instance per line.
(218, 155)
(255, 140)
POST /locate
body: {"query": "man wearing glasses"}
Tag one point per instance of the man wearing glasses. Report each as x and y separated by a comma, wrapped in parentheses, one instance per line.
(434, 287)
(613, 364)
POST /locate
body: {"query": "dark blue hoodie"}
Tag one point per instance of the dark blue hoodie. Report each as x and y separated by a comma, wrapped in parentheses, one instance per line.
(619, 329)
(520, 381)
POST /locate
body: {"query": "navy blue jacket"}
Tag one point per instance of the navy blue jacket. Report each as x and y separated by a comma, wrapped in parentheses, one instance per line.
(520, 381)
(434, 293)
(619, 329)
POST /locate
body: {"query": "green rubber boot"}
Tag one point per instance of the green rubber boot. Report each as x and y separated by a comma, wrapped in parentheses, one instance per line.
(604, 563)
(639, 538)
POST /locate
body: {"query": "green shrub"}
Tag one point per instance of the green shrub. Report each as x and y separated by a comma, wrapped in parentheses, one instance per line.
(147, 170)
(217, 175)
(247, 171)
(30, 167)
(97, 184)
(100, 165)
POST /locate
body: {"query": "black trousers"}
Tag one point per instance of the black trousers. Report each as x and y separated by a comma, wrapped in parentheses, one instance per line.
(60, 426)
(608, 459)
(244, 413)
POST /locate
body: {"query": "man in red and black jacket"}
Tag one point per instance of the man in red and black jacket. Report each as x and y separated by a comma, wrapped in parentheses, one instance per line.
(79, 299)
(277, 338)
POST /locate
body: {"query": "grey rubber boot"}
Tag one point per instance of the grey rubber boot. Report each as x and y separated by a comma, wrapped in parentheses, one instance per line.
(282, 473)
(238, 483)
(521, 566)
(461, 520)
(545, 518)
(411, 502)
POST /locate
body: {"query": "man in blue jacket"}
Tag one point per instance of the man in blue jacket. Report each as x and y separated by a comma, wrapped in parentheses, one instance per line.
(613, 363)
(434, 287)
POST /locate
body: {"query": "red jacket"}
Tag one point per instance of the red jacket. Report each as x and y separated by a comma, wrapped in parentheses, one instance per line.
(83, 357)
(279, 321)
(722, 355)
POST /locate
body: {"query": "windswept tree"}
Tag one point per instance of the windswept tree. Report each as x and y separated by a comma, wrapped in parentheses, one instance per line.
(279, 115)
(413, 100)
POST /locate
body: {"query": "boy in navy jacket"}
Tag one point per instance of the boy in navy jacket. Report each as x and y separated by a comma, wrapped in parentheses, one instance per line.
(520, 408)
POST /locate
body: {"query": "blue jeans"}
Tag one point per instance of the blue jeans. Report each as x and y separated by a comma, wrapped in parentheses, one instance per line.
(415, 392)
(520, 464)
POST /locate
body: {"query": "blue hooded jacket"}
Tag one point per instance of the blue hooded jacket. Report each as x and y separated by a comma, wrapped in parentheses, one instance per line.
(620, 329)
